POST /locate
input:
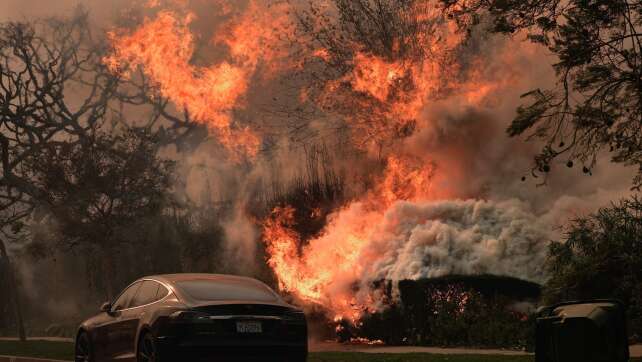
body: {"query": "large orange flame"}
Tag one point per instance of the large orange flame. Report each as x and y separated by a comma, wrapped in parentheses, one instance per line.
(163, 48)
(385, 99)
(321, 273)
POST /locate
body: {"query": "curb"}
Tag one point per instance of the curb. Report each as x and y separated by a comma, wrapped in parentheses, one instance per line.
(26, 359)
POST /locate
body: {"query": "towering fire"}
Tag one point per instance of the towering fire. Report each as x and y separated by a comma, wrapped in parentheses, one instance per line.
(327, 268)
(410, 223)
(404, 227)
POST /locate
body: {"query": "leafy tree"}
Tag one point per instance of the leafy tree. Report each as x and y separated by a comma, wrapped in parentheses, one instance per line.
(56, 92)
(596, 104)
(96, 189)
(39, 63)
(55, 96)
(601, 257)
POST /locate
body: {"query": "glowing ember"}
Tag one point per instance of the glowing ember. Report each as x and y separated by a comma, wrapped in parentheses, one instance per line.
(365, 341)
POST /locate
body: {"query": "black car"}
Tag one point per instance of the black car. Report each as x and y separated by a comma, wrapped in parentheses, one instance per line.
(195, 317)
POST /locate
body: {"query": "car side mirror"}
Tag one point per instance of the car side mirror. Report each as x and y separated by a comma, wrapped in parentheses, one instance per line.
(106, 307)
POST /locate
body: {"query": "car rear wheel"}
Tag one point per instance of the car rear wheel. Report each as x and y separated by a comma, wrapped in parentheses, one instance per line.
(147, 351)
(83, 349)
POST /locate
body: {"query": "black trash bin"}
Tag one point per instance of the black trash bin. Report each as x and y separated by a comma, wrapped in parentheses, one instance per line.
(586, 331)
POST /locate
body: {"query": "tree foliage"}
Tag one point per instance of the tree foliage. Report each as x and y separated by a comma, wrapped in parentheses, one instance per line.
(97, 187)
(37, 68)
(56, 95)
(601, 257)
(59, 164)
(596, 105)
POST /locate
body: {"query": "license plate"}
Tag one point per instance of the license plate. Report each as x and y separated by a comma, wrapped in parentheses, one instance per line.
(249, 327)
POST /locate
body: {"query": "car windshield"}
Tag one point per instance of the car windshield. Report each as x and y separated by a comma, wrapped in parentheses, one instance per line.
(214, 290)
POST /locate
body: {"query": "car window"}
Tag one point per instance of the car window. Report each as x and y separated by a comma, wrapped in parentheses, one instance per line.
(146, 294)
(209, 290)
(162, 292)
(125, 297)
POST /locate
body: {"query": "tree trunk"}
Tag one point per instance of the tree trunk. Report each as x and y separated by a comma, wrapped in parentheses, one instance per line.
(13, 292)
(108, 272)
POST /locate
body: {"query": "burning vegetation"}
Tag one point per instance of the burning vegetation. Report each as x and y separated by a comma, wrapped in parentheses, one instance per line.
(374, 66)
(377, 67)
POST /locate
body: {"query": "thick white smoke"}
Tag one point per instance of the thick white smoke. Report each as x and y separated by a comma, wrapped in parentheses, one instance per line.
(432, 239)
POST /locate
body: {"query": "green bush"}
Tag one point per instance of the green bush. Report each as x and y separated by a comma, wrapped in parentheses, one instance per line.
(601, 257)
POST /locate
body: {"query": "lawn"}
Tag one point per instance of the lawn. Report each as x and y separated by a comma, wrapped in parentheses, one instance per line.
(38, 349)
(410, 357)
(64, 351)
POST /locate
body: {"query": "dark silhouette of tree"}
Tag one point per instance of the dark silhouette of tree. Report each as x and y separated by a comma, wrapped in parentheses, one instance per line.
(13, 295)
(36, 72)
(56, 92)
(601, 257)
(98, 191)
(56, 95)
(597, 103)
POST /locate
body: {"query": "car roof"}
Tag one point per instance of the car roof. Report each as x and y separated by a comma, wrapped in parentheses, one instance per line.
(173, 278)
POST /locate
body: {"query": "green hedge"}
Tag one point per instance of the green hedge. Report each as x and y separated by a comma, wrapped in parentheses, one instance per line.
(454, 311)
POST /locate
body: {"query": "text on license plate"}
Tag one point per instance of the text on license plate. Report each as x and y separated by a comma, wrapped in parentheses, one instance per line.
(249, 327)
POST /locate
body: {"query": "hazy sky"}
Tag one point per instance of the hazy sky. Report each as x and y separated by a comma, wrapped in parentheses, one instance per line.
(101, 10)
